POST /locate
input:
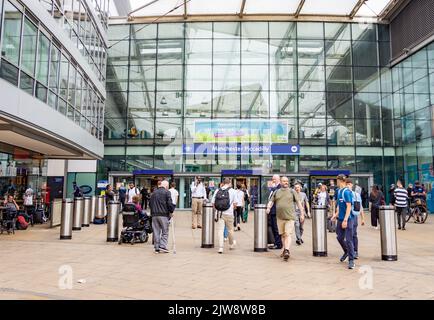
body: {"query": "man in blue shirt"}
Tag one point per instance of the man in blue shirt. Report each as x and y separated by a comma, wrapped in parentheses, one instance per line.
(345, 224)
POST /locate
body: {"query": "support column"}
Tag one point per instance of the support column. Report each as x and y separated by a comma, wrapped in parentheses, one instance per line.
(181, 192)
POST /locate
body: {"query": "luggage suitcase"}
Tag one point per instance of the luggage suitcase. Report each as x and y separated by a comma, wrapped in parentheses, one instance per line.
(38, 216)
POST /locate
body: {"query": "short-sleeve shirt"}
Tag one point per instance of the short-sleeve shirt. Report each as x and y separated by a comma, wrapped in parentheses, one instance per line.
(285, 199)
(240, 198)
(174, 194)
(303, 200)
(232, 199)
(344, 196)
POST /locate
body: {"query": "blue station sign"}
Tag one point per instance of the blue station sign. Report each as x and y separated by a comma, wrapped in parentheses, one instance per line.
(206, 149)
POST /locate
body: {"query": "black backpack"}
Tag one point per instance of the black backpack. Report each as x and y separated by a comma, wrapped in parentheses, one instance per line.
(222, 200)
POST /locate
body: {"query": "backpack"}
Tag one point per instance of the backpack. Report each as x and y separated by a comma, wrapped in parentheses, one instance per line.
(222, 200)
(357, 203)
(22, 224)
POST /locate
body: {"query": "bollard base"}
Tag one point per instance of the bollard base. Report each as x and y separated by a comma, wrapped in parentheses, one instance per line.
(65, 237)
(260, 250)
(112, 239)
(85, 225)
(319, 254)
(76, 228)
(389, 257)
(207, 246)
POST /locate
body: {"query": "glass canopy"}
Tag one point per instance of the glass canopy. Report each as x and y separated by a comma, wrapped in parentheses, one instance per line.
(345, 8)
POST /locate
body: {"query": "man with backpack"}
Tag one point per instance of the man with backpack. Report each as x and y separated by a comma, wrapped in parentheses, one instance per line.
(357, 211)
(224, 202)
(285, 200)
(345, 223)
(132, 191)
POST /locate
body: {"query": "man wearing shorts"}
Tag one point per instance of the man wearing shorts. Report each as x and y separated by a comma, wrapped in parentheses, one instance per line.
(285, 200)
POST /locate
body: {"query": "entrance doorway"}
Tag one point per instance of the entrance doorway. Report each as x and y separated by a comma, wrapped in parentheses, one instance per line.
(252, 185)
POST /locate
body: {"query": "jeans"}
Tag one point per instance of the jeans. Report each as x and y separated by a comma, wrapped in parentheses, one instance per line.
(355, 236)
(345, 237)
(272, 221)
(160, 231)
(225, 232)
(298, 227)
(238, 214)
(402, 214)
(374, 216)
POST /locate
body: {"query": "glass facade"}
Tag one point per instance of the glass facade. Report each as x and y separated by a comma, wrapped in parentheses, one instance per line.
(331, 82)
(33, 59)
(74, 17)
(324, 79)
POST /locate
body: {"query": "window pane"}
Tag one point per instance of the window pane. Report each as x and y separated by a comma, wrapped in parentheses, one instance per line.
(254, 51)
(169, 78)
(170, 51)
(26, 83)
(64, 68)
(42, 62)
(283, 77)
(198, 51)
(283, 104)
(310, 52)
(340, 132)
(9, 72)
(71, 85)
(226, 51)
(282, 51)
(282, 30)
(198, 77)
(11, 33)
(226, 104)
(254, 29)
(226, 77)
(312, 131)
(143, 52)
(365, 53)
(339, 79)
(30, 35)
(254, 77)
(340, 105)
(310, 30)
(54, 68)
(368, 132)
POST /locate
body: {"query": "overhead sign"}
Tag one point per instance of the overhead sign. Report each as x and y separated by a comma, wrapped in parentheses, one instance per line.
(241, 131)
(240, 149)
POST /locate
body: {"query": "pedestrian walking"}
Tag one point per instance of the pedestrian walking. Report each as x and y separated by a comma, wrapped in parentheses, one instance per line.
(357, 211)
(401, 204)
(145, 197)
(174, 193)
(272, 219)
(240, 207)
(285, 199)
(224, 202)
(198, 194)
(162, 208)
(376, 199)
(132, 191)
(345, 221)
(299, 223)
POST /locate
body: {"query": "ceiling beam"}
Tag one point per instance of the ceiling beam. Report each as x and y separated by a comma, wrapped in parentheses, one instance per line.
(185, 9)
(243, 4)
(300, 6)
(141, 7)
(356, 8)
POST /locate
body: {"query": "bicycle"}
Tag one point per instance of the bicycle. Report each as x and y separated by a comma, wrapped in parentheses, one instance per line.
(418, 211)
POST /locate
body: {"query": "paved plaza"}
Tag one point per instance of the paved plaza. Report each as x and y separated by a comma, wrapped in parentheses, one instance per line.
(37, 265)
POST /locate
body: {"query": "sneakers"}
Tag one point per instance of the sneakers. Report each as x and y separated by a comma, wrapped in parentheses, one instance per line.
(156, 251)
(220, 250)
(403, 228)
(286, 255)
(199, 227)
(356, 255)
(298, 242)
(226, 239)
(351, 264)
(232, 246)
(164, 250)
(344, 257)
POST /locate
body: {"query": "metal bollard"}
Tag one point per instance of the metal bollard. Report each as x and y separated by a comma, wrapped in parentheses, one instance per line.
(260, 228)
(93, 208)
(207, 226)
(113, 221)
(100, 207)
(78, 214)
(319, 231)
(389, 247)
(86, 211)
(66, 219)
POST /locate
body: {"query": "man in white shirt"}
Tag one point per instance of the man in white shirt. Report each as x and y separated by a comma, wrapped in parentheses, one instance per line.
(225, 217)
(240, 207)
(174, 193)
(132, 191)
(198, 194)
